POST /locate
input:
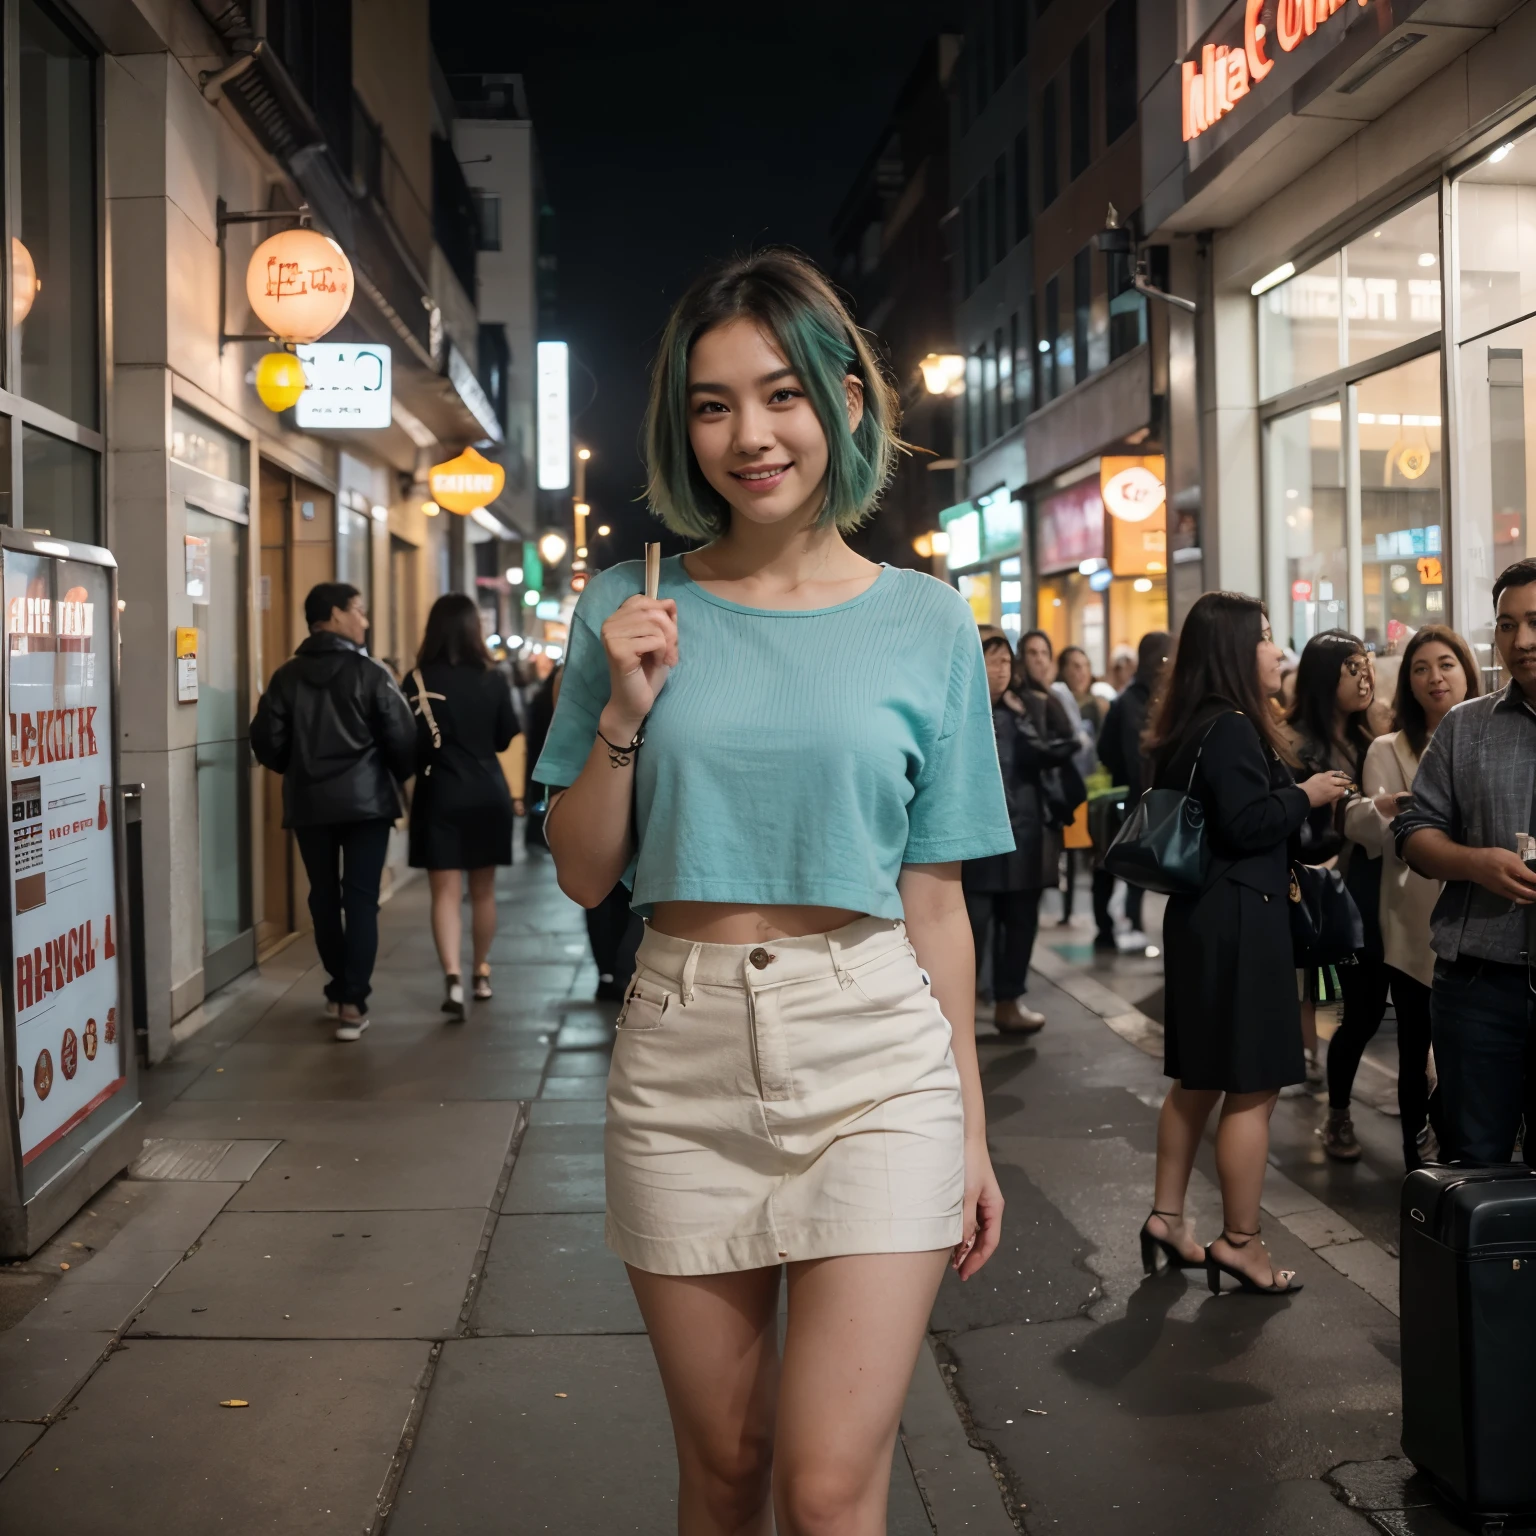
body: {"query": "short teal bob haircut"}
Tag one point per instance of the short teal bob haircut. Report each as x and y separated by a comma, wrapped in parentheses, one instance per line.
(798, 308)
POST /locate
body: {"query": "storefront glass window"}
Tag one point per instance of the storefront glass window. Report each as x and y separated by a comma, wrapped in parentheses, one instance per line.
(59, 487)
(1306, 537)
(1010, 593)
(1496, 237)
(1299, 329)
(55, 250)
(1397, 416)
(207, 446)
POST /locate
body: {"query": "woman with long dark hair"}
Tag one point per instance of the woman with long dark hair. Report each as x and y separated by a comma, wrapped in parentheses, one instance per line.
(1328, 729)
(461, 812)
(1231, 1032)
(1437, 673)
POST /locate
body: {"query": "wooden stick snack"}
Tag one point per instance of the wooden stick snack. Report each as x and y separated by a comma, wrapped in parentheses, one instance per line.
(652, 569)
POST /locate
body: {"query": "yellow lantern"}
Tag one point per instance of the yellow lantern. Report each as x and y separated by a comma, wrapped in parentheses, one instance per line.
(467, 482)
(24, 283)
(279, 380)
(299, 283)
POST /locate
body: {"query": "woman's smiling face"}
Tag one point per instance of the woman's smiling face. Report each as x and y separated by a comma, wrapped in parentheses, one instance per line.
(753, 430)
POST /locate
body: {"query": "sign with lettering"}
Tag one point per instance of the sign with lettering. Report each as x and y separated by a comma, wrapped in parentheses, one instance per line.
(64, 927)
(345, 385)
(1069, 526)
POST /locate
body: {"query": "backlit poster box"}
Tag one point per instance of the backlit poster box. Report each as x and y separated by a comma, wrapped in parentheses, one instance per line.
(554, 400)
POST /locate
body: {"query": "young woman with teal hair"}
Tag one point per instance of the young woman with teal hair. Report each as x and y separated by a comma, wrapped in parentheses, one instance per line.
(786, 754)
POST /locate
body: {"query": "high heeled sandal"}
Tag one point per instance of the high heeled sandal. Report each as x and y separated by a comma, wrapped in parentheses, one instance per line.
(1151, 1242)
(1215, 1269)
(453, 997)
(482, 992)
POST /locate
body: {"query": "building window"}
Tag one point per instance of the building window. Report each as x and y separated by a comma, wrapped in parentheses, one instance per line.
(1007, 416)
(1050, 156)
(1000, 208)
(1001, 54)
(974, 426)
(980, 75)
(1120, 79)
(1079, 108)
(487, 219)
(1021, 184)
(1051, 338)
(993, 427)
(1020, 30)
(983, 232)
(1082, 300)
(968, 243)
(962, 77)
(1127, 307)
(1023, 366)
(61, 487)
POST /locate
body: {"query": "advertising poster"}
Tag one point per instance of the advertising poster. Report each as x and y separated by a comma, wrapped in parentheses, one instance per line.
(69, 1046)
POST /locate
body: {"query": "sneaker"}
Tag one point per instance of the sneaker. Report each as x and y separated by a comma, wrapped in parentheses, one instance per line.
(351, 1029)
(332, 1010)
(453, 998)
(1338, 1137)
(1132, 941)
(1013, 1019)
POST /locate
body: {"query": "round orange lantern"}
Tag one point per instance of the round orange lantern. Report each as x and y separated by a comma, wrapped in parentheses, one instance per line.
(467, 482)
(299, 283)
(24, 283)
(279, 380)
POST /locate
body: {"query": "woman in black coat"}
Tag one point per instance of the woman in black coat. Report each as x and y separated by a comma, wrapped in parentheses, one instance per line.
(461, 812)
(1002, 893)
(1231, 1021)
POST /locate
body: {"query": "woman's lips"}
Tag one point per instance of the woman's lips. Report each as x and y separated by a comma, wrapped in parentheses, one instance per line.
(764, 477)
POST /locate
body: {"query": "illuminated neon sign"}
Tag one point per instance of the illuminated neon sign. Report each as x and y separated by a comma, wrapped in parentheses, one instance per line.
(1214, 84)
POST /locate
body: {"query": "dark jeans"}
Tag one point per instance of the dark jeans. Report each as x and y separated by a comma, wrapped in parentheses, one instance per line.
(1366, 985)
(1103, 889)
(1016, 915)
(1484, 1024)
(345, 864)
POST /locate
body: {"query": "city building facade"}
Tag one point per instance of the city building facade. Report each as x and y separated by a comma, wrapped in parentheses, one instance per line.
(154, 147)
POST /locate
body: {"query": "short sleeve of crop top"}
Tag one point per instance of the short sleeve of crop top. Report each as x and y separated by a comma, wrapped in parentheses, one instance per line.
(797, 758)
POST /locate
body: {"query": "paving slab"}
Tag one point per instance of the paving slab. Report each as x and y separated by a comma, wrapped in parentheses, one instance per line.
(147, 1450)
(449, 1065)
(553, 1182)
(575, 1088)
(546, 1111)
(88, 1306)
(559, 1136)
(566, 1063)
(40, 1367)
(553, 1274)
(341, 1156)
(14, 1441)
(321, 1275)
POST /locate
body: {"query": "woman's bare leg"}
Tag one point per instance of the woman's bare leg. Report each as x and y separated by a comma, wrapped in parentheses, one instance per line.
(447, 920)
(1180, 1126)
(1242, 1154)
(716, 1344)
(856, 1325)
(482, 909)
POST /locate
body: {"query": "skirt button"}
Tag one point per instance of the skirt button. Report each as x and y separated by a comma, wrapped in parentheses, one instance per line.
(760, 958)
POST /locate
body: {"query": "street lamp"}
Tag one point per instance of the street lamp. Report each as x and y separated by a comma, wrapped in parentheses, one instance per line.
(943, 373)
(552, 548)
(603, 530)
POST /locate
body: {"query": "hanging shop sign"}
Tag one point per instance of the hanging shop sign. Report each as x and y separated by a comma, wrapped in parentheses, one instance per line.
(553, 384)
(1133, 489)
(299, 284)
(346, 385)
(279, 380)
(1257, 38)
(58, 683)
(1069, 526)
(466, 483)
(24, 283)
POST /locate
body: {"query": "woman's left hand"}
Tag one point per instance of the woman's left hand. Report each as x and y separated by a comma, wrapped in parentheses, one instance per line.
(983, 1213)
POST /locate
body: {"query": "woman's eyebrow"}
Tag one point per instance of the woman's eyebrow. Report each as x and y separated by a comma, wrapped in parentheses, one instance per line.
(721, 389)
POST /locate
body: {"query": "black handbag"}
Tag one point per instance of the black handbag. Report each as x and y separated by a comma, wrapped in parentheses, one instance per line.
(1061, 792)
(1162, 845)
(1326, 926)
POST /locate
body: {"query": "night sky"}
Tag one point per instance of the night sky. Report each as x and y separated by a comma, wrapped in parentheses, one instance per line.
(671, 135)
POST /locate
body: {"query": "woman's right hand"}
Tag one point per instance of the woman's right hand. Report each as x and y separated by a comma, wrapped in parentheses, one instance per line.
(1326, 788)
(640, 638)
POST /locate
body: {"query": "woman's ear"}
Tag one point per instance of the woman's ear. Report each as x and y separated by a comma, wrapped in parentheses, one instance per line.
(853, 390)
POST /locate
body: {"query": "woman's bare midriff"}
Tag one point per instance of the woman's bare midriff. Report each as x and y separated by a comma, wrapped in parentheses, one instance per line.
(715, 922)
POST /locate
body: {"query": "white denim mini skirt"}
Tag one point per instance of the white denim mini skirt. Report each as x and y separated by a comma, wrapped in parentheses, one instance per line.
(791, 1100)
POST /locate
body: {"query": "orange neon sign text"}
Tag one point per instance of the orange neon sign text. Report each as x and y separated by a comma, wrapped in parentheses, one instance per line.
(1223, 75)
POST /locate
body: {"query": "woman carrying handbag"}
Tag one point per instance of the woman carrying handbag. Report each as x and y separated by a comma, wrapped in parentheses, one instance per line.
(1232, 1033)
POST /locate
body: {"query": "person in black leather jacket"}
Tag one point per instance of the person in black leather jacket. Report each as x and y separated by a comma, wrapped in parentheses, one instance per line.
(338, 729)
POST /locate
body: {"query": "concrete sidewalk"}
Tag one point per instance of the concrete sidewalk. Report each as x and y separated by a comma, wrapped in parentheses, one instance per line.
(391, 1254)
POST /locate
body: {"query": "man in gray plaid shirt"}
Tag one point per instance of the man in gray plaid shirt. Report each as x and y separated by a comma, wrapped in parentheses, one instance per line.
(1472, 806)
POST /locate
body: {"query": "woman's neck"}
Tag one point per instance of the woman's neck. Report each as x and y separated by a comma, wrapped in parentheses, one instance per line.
(781, 556)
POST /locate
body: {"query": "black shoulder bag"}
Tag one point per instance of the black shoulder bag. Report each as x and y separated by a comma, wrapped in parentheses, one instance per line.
(1162, 845)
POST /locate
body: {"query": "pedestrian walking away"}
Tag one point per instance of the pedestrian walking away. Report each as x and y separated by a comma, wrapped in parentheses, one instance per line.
(1437, 674)
(1073, 688)
(790, 750)
(1120, 750)
(1469, 822)
(462, 810)
(1002, 893)
(336, 727)
(1232, 1031)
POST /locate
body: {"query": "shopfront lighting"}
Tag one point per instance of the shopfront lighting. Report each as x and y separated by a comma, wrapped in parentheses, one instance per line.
(943, 373)
(279, 380)
(583, 454)
(1273, 279)
(514, 575)
(1426, 258)
(1092, 566)
(581, 552)
(532, 599)
(430, 509)
(493, 640)
(552, 548)
(467, 483)
(24, 283)
(940, 543)
(603, 531)
(1042, 345)
(299, 284)
(1501, 153)
(1142, 584)
(922, 546)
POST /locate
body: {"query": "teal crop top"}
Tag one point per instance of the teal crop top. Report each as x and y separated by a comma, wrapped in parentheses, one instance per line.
(797, 758)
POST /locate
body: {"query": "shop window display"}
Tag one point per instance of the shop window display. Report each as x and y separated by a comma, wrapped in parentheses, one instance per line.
(1306, 541)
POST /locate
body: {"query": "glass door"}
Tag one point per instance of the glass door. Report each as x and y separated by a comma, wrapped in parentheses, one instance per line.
(1307, 575)
(217, 585)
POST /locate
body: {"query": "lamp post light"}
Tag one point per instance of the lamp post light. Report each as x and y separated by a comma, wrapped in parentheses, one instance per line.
(943, 373)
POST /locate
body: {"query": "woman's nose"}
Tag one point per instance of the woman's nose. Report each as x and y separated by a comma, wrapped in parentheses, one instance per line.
(753, 431)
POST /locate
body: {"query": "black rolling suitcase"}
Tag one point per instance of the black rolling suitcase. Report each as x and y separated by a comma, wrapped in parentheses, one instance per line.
(1469, 1336)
